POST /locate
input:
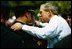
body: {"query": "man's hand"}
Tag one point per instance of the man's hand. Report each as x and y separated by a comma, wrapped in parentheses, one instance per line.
(37, 23)
(16, 26)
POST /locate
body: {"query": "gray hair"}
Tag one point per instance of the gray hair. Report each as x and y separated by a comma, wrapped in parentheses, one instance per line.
(49, 6)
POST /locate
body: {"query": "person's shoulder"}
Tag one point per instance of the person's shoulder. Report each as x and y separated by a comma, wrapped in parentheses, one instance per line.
(54, 18)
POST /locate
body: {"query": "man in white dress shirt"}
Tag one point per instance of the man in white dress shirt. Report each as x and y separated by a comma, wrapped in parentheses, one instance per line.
(54, 29)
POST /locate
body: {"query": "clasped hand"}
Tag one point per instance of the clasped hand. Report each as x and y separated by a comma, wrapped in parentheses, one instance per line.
(17, 26)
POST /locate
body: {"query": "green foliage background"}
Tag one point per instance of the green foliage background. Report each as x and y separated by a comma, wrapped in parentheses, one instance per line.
(63, 6)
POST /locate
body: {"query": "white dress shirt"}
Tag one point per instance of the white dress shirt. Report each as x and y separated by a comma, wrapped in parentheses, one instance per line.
(54, 31)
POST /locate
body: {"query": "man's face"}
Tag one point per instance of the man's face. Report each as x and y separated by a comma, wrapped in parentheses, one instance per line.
(29, 18)
(69, 19)
(44, 15)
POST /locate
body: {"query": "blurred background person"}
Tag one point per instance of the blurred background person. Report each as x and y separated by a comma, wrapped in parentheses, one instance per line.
(9, 39)
(67, 16)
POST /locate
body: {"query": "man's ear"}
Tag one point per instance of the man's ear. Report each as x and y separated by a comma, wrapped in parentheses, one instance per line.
(26, 14)
(49, 13)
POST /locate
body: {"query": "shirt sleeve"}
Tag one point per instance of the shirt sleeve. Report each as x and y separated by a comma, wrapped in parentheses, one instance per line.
(46, 32)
